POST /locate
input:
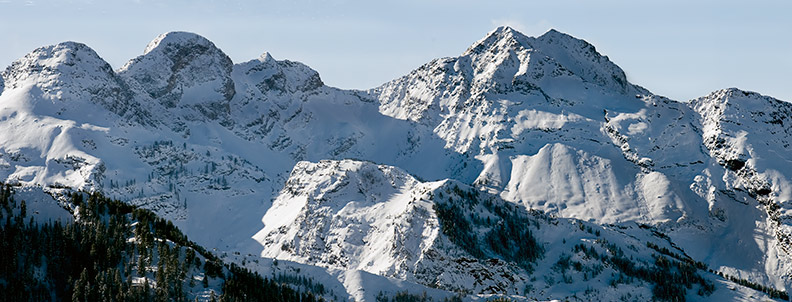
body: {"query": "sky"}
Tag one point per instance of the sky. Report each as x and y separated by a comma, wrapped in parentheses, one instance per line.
(679, 49)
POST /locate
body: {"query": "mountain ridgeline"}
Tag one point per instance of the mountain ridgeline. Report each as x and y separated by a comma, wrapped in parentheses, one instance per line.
(526, 167)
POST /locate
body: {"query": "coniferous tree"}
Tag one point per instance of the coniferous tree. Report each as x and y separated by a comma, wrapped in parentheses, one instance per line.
(22, 209)
(80, 287)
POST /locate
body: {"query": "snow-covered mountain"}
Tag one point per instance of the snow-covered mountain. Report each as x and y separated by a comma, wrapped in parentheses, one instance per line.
(353, 215)
(558, 128)
(542, 132)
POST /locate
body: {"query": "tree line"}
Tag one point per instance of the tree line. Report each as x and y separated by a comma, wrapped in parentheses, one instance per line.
(117, 252)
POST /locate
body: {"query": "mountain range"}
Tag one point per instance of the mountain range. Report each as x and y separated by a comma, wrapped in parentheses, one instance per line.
(526, 167)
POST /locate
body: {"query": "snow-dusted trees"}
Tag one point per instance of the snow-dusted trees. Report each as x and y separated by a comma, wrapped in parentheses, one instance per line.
(508, 233)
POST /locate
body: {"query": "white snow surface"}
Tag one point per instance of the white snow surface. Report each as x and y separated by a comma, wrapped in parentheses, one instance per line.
(546, 123)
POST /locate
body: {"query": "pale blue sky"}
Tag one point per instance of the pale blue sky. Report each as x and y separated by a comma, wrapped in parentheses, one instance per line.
(681, 49)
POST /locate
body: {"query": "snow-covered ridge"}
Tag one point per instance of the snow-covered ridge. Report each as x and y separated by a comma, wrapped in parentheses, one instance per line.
(282, 76)
(749, 135)
(363, 216)
(356, 215)
(569, 56)
(46, 65)
(504, 62)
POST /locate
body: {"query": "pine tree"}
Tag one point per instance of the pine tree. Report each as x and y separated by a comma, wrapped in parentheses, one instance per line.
(146, 288)
(162, 283)
(22, 209)
(80, 287)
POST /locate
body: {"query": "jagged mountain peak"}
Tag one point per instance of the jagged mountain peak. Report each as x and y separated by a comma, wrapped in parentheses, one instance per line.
(555, 36)
(456, 95)
(506, 35)
(721, 94)
(503, 37)
(724, 95)
(506, 61)
(62, 59)
(178, 39)
(185, 70)
(270, 75)
(741, 102)
(58, 77)
(553, 52)
(266, 56)
(583, 59)
(61, 51)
